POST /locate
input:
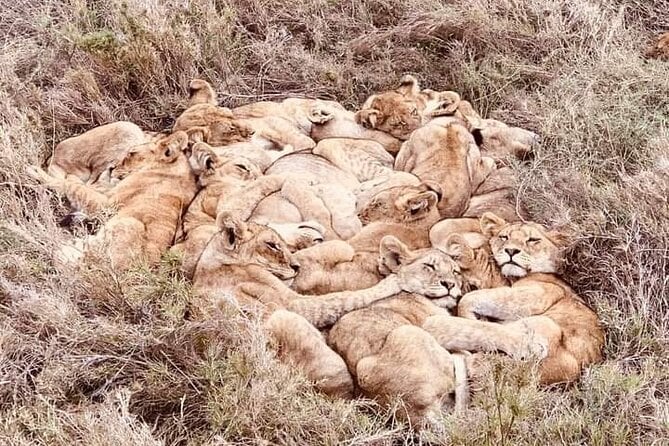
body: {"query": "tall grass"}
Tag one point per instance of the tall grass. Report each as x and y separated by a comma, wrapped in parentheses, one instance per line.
(94, 357)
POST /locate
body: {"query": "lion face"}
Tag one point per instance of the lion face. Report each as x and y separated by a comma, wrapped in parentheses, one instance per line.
(211, 168)
(392, 113)
(162, 152)
(242, 243)
(402, 204)
(228, 131)
(429, 272)
(522, 248)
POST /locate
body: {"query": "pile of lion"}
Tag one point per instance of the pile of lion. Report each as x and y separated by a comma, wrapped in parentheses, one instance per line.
(383, 250)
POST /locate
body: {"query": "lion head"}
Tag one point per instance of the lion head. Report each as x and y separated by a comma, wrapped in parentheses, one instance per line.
(428, 272)
(300, 235)
(159, 153)
(522, 248)
(397, 112)
(247, 243)
(211, 168)
(471, 252)
(500, 140)
(403, 204)
(215, 125)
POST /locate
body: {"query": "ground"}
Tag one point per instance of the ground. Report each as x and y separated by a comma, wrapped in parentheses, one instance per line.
(99, 358)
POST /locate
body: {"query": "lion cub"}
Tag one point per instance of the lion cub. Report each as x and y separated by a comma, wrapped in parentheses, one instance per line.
(538, 314)
(445, 152)
(401, 111)
(88, 155)
(387, 351)
(155, 186)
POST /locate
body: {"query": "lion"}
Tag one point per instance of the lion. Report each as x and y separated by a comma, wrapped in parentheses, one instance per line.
(660, 47)
(155, 185)
(337, 265)
(391, 356)
(499, 141)
(303, 113)
(365, 159)
(538, 315)
(403, 204)
(88, 155)
(245, 264)
(343, 124)
(316, 190)
(242, 186)
(445, 152)
(401, 111)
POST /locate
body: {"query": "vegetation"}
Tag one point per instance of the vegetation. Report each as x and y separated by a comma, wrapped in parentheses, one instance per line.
(94, 357)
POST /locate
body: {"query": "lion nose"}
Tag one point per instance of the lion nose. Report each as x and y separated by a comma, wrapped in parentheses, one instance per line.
(511, 251)
(295, 267)
(447, 284)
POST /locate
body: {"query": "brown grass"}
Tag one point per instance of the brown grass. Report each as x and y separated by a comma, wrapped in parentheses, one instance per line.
(98, 358)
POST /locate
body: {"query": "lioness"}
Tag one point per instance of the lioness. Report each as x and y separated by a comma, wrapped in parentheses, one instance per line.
(538, 314)
(155, 186)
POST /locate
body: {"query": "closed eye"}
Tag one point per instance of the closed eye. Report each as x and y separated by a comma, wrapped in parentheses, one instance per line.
(429, 266)
(533, 240)
(273, 246)
(242, 167)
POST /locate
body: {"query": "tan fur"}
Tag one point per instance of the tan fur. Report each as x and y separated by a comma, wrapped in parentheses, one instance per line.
(234, 186)
(403, 204)
(86, 156)
(155, 185)
(660, 47)
(244, 265)
(499, 141)
(445, 152)
(302, 113)
(343, 125)
(219, 126)
(201, 92)
(400, 111)
(539, 314)
(363, 158)
(391, 356)
(214, 125)
(329, 268)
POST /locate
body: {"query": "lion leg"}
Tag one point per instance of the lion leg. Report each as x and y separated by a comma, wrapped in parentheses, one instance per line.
(517, 340)
(311, 207)
(245, 201)
(317, 265)
(410, 365)
(509, 303)
(303, 346)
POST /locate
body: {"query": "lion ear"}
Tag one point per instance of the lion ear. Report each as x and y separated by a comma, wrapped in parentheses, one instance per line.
(173, 145)
(434, 187)
(408, 86)
(559, 238)
(368, 117)
(491, 224)
(232, 229)
(393, 253)
(458, 248)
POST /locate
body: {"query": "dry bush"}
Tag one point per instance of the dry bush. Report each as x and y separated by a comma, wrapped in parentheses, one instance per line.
(97, 358)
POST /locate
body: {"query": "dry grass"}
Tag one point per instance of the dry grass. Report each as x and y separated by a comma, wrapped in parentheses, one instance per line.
(97, 358)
